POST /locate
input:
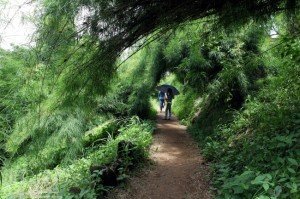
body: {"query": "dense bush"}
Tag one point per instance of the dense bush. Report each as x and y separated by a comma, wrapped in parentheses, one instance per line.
(58, 182)
(45, 138)
(246, 118)
(257, 154)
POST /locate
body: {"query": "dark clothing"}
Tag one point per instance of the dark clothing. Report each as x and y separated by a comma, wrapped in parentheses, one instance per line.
(168, 111)
(161, 98)
(169, 98)
(161, 95)
(161, 104)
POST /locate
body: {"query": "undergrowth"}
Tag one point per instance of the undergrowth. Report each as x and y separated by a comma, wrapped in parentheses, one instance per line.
(251, 138)
(57, 182)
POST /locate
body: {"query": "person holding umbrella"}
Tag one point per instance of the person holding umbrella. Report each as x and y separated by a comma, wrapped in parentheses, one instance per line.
(170, 91)
(168, 98)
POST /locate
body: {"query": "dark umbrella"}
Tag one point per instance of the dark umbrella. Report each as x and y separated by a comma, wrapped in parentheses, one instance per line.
(164, 88)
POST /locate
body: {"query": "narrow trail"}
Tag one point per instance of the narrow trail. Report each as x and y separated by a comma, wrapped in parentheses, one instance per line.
(178, 171)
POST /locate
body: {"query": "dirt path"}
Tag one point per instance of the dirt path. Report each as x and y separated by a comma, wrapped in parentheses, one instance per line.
(178, 171)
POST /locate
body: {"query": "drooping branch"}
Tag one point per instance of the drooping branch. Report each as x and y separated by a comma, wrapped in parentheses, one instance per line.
(114, 25)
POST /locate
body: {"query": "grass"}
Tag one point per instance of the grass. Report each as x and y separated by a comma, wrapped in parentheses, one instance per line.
(57, 182)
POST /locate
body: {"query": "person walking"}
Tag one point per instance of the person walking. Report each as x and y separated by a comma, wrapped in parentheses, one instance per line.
(161, 98)
(168, 99)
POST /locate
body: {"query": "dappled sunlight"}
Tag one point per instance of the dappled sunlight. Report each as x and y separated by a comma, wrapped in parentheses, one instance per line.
(178, 170)
(172, 145)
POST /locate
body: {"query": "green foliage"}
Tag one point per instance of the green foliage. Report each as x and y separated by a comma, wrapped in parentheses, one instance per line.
(131, 90)
(49, 141)
(46, 140)
(57, 182)
(45, 143)
(67, 103)
(80, 41)
(100, 132)
(254, 150)
(188, 104)
(15, 100)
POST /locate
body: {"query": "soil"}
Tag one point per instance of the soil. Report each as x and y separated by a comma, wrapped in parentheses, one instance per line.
(178, 170)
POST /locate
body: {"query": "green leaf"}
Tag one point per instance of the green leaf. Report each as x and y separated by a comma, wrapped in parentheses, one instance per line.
(266, 186)
(258, 180)
(294, 188)
(238, 190)
(282, 179)
(291, 170)
(293, 161)
(268, 176)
